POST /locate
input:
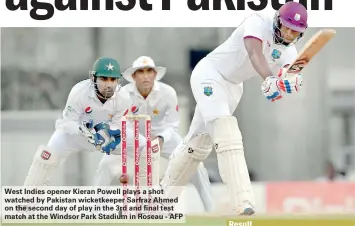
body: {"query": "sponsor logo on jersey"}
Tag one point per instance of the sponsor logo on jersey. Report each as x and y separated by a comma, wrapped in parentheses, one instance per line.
(88, 110)
(134, 109)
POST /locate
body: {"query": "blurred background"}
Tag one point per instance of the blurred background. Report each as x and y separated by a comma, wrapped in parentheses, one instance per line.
(306, 138)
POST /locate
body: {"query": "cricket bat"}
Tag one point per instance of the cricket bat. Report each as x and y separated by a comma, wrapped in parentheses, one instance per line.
(310, 49)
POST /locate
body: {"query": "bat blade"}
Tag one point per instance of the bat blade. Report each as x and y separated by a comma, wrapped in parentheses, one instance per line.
(310, 49)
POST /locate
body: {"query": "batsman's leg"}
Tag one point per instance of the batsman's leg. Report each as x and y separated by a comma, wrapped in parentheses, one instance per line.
(184, 163)
(217, 109)
(200, 179)
(228, 144)
(232, 165)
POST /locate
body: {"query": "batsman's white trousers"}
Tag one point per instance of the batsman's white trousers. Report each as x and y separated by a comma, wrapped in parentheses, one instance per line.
(223, 100)
(216, 100)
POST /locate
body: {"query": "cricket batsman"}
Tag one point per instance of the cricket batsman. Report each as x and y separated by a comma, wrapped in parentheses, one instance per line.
(93, 109)
(254, 48)
(149, 96)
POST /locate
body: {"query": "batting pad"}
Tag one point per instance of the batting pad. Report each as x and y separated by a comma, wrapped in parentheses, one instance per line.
(44, 164)
(231, 160)
(185, 160)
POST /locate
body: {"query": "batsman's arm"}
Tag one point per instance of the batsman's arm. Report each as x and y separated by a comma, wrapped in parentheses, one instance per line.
(69, 122)
(254, 33)
(257, 58)
(172, 119)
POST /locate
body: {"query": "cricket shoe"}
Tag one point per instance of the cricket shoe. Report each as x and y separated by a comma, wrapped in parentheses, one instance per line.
(246, 209)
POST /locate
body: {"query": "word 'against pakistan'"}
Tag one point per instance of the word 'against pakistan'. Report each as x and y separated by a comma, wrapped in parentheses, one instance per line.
(126, 5)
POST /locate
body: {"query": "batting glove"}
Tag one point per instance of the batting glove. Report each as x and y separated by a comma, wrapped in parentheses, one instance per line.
(270, 88)
(290, 83)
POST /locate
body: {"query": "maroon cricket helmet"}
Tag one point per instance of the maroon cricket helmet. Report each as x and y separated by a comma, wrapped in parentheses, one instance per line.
(292, 15)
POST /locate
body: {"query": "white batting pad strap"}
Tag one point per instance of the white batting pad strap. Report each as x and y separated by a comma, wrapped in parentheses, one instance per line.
(226, 134)
(199, 147)
(43, 167)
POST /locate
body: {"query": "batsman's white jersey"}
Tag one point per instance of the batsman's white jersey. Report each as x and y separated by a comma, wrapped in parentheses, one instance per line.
(217, 80)
(82, 105)
(217, 86)
(162, 105)
(231, 59)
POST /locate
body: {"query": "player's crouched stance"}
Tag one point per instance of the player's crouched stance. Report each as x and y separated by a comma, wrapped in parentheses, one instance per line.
(256, 46)
(85, 124)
